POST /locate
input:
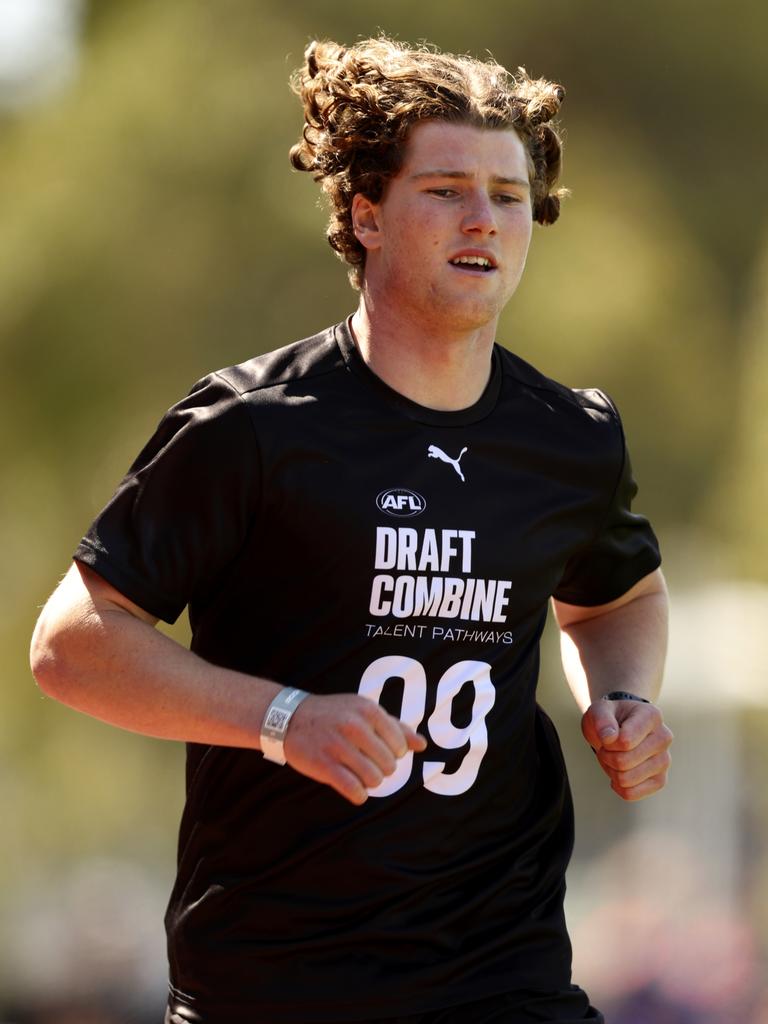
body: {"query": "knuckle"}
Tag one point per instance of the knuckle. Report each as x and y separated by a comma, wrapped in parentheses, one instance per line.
(621, 762)
(369, 709)
(347, 720)
(335, 749)
(353, 730)
(345, 785)
(339, 781)
(373, 777)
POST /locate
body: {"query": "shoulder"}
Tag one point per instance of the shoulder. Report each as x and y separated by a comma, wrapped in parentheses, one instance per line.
(314, 356)
(585, 404)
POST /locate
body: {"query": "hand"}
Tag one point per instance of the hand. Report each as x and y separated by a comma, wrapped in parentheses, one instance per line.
(348, 742)
(632, 745)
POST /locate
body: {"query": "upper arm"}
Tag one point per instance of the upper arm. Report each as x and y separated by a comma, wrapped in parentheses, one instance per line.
(82, 594)
(84, 584)
(71, 619)
(184, 511)
(569, 614)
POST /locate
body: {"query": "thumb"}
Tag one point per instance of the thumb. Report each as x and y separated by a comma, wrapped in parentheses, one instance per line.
(414, 739)
(599, 724)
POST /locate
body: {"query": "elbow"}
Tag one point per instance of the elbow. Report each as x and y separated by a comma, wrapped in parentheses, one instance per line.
(48, 658)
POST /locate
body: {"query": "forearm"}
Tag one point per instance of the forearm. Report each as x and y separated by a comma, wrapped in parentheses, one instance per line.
(109, 664)
(96, 651)
(621, 646)
(620, 649)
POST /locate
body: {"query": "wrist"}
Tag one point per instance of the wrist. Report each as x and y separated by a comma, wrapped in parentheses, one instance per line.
(624, 695)
(277, 718)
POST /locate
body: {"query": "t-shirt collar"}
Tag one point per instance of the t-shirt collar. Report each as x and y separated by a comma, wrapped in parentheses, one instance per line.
(421, 413)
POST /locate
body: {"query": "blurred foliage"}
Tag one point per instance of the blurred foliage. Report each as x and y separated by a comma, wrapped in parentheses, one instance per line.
(152, 230)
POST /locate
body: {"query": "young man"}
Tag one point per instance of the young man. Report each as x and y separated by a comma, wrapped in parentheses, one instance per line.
(367, 527)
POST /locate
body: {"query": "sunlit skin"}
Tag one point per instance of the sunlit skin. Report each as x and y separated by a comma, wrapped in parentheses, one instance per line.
(425, 325)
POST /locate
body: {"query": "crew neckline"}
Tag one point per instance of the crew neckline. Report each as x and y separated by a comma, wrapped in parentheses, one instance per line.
(421, 413)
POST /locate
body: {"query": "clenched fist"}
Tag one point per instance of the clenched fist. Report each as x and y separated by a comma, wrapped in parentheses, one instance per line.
(348, 742)
(632, 745)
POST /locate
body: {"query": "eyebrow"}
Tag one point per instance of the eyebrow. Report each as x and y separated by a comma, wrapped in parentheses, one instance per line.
(497, 178)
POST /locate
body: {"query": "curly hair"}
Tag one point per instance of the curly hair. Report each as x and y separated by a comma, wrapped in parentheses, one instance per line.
(360, 102)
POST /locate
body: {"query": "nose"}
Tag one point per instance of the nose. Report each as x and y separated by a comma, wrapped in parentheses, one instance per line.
(479, 214)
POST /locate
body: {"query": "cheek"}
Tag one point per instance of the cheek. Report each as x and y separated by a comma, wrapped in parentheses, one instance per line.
(424, 229)
(520, 236)
(527, 226)
(420, 242)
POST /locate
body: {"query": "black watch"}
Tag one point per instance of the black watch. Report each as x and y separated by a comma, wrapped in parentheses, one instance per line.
(624, 695)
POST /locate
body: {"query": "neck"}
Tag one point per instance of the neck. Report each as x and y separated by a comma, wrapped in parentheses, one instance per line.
(432, 364)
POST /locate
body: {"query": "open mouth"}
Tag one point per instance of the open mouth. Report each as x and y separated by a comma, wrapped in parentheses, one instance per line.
(474, 264)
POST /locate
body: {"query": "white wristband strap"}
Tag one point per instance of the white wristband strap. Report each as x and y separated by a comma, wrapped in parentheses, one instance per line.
(275, 725)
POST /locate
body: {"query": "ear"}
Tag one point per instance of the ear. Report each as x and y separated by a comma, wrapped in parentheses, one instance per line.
(366, 221)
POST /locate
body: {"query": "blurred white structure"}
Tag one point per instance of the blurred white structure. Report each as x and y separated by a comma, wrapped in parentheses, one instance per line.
(716, 672)
(717, 652)
(38, 49)
(668, 908)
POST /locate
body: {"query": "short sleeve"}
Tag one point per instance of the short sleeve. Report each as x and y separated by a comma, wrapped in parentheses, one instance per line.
(623, 550)
(183, 511)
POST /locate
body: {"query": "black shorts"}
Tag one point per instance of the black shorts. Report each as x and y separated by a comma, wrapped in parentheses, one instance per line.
(568, 1007)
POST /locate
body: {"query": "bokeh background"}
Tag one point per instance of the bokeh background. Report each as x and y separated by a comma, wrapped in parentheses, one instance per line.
(152, 230)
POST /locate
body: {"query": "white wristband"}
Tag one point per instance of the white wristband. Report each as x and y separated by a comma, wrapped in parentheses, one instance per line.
(276, 720)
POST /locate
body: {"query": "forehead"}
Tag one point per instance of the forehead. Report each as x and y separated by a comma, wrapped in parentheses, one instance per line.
(441, 145)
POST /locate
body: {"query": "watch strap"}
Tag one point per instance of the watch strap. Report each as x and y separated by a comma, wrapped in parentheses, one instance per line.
(624, 695)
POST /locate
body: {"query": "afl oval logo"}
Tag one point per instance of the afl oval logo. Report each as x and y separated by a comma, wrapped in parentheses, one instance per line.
(399, 501)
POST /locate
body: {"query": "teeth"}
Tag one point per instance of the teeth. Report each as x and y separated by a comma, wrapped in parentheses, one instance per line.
(480, 261)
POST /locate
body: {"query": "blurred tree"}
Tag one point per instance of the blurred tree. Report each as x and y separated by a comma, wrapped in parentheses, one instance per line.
(152, 230)
(739, 504)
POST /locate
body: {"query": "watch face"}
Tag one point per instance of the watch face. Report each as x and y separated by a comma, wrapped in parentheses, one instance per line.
(277, 719)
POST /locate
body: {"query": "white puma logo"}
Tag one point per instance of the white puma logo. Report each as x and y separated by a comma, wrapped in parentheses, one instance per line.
(433, 452)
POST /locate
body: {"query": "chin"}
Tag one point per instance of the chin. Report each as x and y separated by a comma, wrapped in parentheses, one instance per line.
(468, 316)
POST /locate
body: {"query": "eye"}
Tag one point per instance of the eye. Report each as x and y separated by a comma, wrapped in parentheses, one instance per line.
(442, 193)
(507, 198)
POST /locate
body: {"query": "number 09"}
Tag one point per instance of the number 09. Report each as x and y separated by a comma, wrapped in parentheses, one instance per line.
(439, 725)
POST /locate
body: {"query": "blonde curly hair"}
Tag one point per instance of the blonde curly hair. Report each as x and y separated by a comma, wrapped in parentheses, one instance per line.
(360, 102)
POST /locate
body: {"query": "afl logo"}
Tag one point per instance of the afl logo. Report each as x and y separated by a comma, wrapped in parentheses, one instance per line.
(398, 501)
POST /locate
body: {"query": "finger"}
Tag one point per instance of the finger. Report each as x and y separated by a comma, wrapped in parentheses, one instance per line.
(362, 767)
(625, 760)
(346, 784)
(653, 766)
(647, 788)
(414, 739)
(392, 732)
(379, 753)
(398, 735)
(359, 748)
(636, 722)
(599, 724)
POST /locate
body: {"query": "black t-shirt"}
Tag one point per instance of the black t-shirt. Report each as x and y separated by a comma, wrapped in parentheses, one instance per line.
(328, 533)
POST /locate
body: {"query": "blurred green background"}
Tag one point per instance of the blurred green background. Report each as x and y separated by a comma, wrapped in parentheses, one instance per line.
(152, 230)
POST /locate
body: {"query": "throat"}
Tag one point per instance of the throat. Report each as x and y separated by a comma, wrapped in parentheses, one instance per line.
(435, 380)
